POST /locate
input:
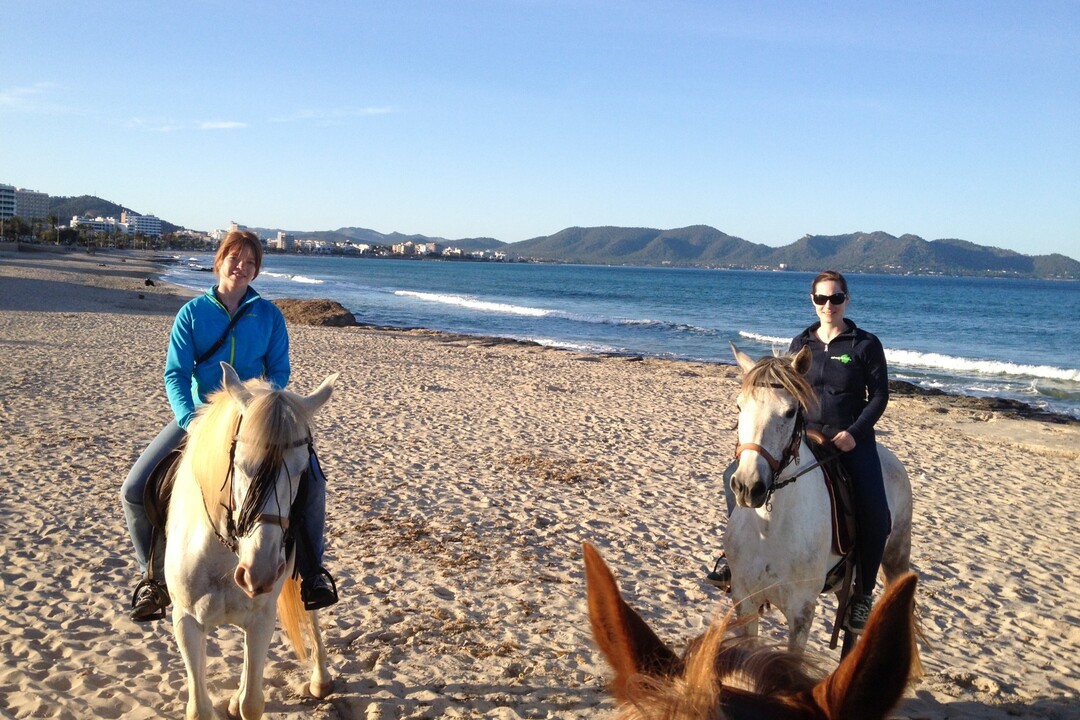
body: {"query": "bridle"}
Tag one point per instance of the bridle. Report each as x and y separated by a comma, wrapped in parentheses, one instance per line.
(790, 453)
(230, 538)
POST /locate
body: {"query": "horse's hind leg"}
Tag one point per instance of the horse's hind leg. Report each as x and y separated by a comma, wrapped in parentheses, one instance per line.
(896, 561)
(321, 683)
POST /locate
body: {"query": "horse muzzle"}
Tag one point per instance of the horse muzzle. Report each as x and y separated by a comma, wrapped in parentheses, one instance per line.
(749, 489)
(254, 584)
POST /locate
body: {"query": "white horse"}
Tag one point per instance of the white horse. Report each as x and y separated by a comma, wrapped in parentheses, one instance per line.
(228, 521)
(779, 537)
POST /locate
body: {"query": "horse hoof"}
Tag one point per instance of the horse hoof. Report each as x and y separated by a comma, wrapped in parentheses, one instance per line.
(321, 690)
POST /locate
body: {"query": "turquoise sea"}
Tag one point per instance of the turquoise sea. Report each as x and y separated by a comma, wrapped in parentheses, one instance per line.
(1016, 339)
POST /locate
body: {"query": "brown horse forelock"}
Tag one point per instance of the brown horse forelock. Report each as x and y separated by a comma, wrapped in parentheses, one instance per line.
(777, 372)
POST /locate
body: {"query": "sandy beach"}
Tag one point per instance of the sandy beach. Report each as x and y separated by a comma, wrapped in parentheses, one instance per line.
(464, 476)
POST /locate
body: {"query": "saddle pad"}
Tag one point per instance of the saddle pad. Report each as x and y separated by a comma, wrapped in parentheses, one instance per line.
(159, 486)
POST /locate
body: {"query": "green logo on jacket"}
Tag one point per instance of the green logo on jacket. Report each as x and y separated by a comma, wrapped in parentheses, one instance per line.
(845, 358)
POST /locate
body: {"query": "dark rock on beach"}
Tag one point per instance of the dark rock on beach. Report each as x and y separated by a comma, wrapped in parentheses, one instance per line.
(1001, 406)
(325, 313)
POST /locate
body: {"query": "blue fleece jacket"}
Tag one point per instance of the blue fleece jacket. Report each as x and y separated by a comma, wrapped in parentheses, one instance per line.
(257, 346)
(850, 378)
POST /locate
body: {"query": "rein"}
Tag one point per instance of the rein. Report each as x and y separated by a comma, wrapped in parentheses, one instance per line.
(230, 538)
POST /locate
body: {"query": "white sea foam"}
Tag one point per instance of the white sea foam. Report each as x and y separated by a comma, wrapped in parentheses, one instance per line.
(303, 279)
(765, 338)
(577, 346)
(938, 361)
(474, 304)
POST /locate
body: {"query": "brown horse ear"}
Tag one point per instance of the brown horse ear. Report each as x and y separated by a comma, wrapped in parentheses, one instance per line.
(871, 679)
(801, 362)
(629, 645)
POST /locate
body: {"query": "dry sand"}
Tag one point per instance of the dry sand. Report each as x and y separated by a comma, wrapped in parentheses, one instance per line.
(464, 477)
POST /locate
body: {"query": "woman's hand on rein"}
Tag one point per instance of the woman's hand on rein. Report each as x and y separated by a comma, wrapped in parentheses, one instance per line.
(844, 441)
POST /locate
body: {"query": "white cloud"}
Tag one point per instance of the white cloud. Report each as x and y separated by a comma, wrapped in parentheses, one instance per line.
(222, 125)
(30, 99)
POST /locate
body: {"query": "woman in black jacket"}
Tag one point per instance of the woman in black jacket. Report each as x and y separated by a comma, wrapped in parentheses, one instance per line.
(851, 381)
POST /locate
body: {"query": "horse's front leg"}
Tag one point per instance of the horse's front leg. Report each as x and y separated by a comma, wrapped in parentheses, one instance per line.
(248, 701)
(191, 638)
(748, 611)
(800, 618)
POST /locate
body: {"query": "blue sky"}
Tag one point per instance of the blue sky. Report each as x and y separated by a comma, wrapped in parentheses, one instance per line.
(517, 118)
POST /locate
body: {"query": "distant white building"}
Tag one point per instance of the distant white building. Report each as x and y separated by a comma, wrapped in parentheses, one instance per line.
(147, 225)
(99, 224)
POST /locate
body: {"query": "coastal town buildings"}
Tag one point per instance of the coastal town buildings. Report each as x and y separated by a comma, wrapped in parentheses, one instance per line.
(129, 224)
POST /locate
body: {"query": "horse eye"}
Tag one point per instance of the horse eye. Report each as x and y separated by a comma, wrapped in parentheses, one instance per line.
(790, 413)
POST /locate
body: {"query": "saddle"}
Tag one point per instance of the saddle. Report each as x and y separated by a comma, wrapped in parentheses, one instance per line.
(156, 496)
(839, 486)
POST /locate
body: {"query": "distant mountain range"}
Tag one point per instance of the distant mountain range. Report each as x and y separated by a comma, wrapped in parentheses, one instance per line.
(701, 246)
(704, 246)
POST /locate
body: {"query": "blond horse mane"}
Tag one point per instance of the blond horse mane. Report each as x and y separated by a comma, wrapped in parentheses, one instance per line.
(272, 419)
(779, 373)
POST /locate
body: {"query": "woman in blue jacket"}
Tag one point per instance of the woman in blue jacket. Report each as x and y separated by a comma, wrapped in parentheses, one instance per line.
(230, 322)
(851, 382)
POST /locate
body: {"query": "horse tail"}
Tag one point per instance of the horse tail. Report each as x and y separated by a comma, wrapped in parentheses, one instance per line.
(296, 622)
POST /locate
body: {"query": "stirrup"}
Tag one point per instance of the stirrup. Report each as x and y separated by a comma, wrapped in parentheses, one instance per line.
(720, 577)
(322, 600)
(158, 594)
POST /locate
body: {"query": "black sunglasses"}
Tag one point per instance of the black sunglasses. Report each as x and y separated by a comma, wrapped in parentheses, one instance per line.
(835, 298)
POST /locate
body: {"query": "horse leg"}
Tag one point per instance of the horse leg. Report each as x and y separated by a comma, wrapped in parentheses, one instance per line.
(800, 618)
(321, 683)
(748, 611)
(896, 561)
(248, 702)
(191, 639)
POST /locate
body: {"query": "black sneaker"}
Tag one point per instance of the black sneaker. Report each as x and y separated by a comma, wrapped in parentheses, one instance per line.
(720, 576)
(318, 591)
(149, 601)
(859, 613)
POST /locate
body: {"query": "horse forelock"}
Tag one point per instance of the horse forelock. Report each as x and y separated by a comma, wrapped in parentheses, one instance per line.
(273, 419)
(777, 373)
(715, 662)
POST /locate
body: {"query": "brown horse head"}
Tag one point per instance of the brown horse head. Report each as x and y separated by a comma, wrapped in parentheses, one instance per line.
(722, 677)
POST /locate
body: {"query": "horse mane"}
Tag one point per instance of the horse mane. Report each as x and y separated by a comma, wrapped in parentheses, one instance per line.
(778, 372)
(717, 667)
(270, 421)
